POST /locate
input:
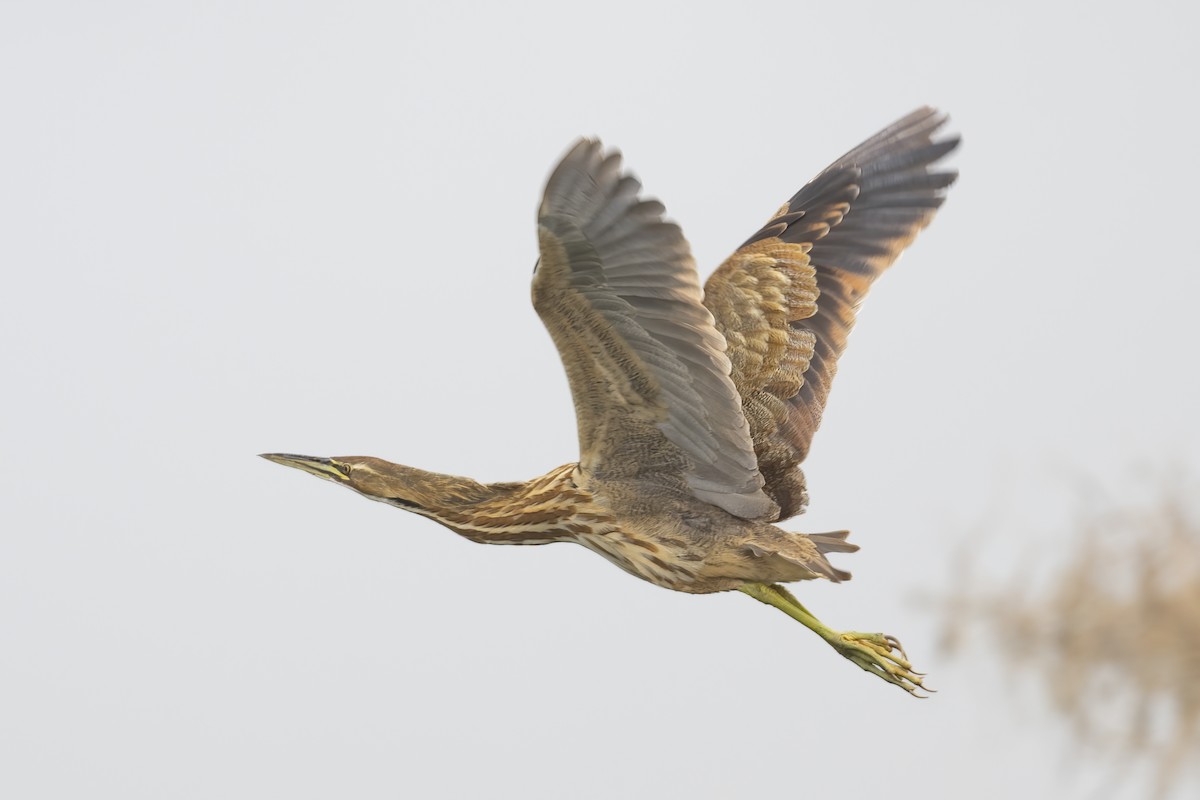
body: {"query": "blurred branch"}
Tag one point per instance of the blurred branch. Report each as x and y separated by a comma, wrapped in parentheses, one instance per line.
(1114, 638)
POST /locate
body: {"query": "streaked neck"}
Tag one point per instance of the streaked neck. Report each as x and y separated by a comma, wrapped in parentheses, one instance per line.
(550, 508)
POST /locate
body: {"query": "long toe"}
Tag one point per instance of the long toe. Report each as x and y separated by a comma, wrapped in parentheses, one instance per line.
(883, 656)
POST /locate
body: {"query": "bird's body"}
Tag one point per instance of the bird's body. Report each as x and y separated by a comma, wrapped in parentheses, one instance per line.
(668, 539)
(694, 408)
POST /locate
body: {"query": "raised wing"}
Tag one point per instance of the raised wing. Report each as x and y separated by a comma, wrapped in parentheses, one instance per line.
(786, 300)
(617, 289)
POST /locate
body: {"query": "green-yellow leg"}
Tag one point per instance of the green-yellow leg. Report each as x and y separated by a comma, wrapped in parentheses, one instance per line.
(875, 652)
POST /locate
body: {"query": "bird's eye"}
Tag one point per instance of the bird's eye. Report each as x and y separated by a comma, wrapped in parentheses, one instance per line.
(344, 469)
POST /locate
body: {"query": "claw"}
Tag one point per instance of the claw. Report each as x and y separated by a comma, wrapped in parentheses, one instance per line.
(895, 644)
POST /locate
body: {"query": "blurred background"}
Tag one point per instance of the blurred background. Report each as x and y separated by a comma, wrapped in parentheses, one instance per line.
(241, 227)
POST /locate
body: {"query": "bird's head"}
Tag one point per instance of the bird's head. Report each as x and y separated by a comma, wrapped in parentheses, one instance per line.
(395, 484)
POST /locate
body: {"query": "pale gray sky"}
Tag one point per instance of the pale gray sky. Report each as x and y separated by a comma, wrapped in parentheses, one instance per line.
(238, 227)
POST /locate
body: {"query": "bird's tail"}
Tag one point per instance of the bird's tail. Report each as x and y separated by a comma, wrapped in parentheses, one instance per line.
(797, 561)
(833, 542)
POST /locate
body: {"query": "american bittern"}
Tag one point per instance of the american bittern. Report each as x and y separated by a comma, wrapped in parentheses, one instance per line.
(694, 408)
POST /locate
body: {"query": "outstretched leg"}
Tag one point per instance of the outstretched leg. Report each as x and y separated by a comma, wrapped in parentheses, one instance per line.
(875, 652)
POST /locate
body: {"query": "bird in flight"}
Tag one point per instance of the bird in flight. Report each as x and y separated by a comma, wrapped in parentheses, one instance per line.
(695, 408)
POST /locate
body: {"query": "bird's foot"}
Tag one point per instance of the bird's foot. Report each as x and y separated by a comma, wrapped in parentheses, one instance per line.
(876, 653)
(881, 655)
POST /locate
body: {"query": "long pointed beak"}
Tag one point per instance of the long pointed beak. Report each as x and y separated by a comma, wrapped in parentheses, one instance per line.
(325, 468)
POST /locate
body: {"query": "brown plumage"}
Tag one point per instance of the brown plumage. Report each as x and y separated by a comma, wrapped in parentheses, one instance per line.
(694, 408)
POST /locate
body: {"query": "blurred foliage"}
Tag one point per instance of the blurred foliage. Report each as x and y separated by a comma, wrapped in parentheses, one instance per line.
(1113, 636)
